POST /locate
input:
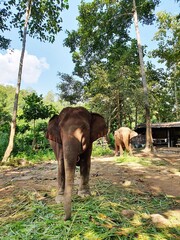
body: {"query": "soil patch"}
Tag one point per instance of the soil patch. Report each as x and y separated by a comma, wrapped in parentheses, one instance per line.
(160, 176)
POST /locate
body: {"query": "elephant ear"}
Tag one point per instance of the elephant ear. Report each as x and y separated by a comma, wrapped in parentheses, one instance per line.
(133, 134)
(53, 132)
(116, 133)
(98, 127)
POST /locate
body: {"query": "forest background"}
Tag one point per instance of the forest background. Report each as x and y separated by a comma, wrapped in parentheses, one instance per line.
(106, 77)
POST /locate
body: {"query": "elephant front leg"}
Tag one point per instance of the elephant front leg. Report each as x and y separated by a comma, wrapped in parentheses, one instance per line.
(130, 150)
(116, 150)
(85, 164)
(61, 180)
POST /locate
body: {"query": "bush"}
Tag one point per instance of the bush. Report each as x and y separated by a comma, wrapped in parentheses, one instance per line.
(4, 138)
(100, 150)
(32, 156)
(111, 140)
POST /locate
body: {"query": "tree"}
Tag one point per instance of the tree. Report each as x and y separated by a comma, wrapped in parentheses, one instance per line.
(50, 97)
(168, 53)
(4, 15)
(149, 142)
(71, 90)
(103, 40)
(34, 109)
(44, 24)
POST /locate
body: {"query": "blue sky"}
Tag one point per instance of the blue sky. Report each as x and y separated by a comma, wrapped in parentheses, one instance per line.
(44, 60)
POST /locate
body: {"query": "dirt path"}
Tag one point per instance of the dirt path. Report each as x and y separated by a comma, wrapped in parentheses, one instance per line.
(162, 176)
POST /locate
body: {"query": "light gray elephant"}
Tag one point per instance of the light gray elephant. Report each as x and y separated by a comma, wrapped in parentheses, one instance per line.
(122, 138)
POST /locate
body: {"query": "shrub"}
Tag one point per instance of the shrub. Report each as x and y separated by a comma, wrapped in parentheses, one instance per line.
(4, 138)
(100, 150)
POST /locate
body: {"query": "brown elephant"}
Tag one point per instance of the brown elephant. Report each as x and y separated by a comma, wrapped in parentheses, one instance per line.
(122, 138)
(71, 134)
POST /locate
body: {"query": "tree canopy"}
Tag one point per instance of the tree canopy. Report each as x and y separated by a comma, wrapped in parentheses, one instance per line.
(106, 56)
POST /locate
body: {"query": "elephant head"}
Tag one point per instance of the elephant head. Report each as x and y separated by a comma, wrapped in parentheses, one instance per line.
(133, 134)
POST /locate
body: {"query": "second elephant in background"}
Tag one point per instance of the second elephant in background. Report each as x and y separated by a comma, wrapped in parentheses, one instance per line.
(122, 138)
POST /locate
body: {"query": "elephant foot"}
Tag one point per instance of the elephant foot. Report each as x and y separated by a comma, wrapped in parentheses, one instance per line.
(59, 199)
(84, 193)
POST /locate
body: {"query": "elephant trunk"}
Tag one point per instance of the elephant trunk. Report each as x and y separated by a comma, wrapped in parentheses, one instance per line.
(70, 166)
(67, 206)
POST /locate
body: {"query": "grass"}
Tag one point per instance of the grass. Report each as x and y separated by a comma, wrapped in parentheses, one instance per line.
(99, 150)
(40, 156)
(144, 161)
(97, 217)
(32, 215)
(32, 157)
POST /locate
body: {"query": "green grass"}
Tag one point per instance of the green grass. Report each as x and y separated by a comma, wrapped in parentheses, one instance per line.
(47, 154)
(99, 150)
(31, 157)
(96, 217)
(144, 161)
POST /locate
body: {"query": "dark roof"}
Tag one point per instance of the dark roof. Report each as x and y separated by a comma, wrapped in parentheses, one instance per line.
(160, 125)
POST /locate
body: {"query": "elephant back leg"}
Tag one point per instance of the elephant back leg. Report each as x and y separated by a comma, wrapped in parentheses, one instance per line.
(121, 149)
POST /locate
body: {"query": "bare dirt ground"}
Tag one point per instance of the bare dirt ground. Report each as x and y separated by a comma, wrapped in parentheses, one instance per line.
(162, 176)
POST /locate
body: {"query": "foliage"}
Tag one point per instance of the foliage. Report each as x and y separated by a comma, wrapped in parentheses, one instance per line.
(31, 156)
(45, 21)
(4, 136)
(4, 15)
(101, 149)
(70, 90)
(107, 59)
(42, 20)
(168, 38)
(161, 94)
(103, 32)
(34, 108)
(25, 127)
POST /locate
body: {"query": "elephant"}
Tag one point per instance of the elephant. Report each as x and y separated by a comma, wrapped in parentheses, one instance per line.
(71, 134)
(122, 138)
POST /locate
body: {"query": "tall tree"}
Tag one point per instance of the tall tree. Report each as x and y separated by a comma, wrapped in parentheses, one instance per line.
(44, 24)
(168, 52)
(103, 40)
(149, 142)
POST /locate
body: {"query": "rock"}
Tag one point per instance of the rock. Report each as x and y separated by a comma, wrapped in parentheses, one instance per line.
(159, 220)
(128, 213)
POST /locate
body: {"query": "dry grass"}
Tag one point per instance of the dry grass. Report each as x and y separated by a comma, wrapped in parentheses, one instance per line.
(104, 215)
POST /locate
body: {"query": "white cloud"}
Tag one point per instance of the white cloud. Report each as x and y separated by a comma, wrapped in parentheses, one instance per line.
(32, 67)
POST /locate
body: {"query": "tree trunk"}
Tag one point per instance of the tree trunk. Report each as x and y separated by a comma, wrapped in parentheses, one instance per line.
(15, 108)
(149, 145)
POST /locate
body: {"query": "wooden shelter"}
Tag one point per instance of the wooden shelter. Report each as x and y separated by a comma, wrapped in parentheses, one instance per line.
(167, 134)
